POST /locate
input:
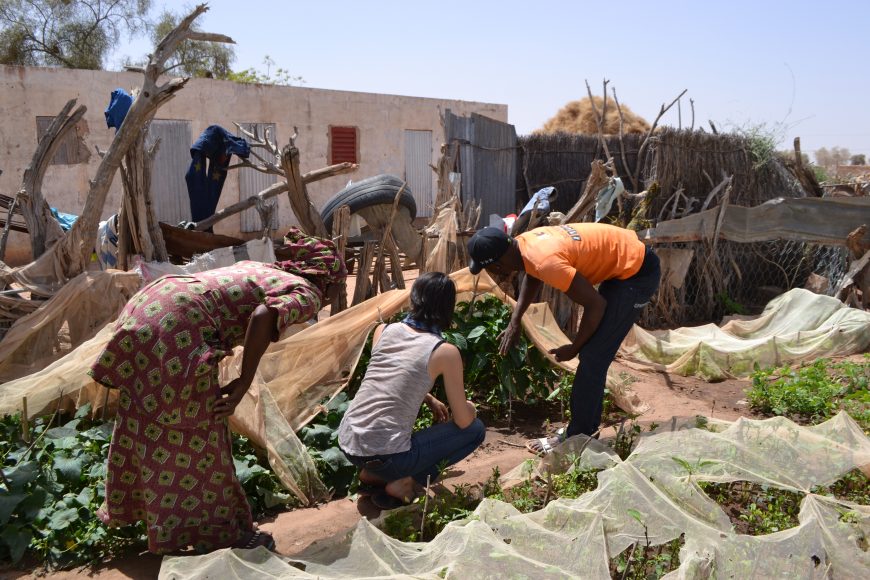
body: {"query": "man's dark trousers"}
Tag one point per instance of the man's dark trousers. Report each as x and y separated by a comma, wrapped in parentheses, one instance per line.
(626, 300)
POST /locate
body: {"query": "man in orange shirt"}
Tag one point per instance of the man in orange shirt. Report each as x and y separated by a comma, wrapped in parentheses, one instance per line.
(574, 258)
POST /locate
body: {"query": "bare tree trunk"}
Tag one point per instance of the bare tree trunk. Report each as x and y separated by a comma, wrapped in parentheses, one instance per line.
(298, 193)
(43, 228)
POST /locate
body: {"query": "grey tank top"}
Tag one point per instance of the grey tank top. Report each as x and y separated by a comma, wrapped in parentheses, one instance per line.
(380, 419)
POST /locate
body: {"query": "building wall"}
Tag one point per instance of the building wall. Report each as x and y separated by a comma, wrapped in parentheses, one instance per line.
(27, 93)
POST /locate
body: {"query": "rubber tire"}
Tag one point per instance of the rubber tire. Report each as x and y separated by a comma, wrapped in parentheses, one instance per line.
(367, 192)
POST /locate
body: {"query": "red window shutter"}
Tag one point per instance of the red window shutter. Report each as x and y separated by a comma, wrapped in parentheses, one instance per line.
(342, 145)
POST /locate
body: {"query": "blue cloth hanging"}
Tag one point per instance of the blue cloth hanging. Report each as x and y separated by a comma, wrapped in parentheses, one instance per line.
(210, 156)
(119, 104)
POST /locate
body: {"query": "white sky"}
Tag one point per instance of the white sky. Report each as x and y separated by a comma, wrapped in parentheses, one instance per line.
(799, 68)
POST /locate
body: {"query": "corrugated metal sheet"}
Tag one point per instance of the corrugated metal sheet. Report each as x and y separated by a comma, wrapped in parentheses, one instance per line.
(487, 161)
(418, 174)
(252, 182)
(168, 187)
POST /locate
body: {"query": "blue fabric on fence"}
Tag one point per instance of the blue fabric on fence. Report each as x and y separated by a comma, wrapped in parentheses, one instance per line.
(119, 104)
(210, 155)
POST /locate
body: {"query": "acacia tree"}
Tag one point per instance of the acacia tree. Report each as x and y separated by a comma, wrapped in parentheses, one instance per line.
(830, 159)
(66, 33)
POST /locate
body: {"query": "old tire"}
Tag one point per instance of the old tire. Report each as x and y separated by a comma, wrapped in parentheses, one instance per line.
(368, 192)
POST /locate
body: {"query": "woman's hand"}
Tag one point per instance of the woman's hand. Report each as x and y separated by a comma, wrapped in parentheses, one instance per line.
(439, 409)
(231, 396)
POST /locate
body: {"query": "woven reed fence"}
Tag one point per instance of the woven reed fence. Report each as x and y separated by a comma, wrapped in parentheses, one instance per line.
(723, 277)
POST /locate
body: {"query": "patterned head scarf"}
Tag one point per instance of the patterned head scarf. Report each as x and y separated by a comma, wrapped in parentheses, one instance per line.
(313, 258)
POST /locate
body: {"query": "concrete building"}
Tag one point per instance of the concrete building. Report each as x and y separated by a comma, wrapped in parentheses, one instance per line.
(382, 133)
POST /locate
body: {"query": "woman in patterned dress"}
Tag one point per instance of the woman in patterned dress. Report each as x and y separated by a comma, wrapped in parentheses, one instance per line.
(170, 460)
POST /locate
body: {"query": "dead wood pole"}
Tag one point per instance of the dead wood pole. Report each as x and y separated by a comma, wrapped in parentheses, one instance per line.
(340, 228)
(69, 257)
(43, 228)
(387, 235)
(7, 226)
(692, 103)
(645, 143)
(363, 286)
(798, 156)
(396, 264)
(305, 212)
(634, 186)
(272, 191)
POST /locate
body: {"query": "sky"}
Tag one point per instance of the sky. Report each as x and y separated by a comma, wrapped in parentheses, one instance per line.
(795, 68)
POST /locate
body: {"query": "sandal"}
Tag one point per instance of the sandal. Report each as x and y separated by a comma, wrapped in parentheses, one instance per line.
(545, 445)
(384, 501)
(259, 538)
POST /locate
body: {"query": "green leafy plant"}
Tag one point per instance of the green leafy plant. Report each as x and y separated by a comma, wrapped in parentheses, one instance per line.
(51, 490)
(321, 439)
(430, 516)
(266, 494)
(814, 392)
(523, 374)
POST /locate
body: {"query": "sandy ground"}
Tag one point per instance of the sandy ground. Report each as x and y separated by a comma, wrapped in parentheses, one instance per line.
(295, 530)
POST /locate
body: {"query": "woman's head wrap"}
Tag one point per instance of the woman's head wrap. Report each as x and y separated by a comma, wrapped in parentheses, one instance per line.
(313, 258)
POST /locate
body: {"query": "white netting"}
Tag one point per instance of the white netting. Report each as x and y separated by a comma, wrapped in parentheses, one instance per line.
(796, 326)
(576, 537)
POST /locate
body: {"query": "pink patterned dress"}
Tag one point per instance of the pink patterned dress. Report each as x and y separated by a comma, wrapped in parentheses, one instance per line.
(170, 461)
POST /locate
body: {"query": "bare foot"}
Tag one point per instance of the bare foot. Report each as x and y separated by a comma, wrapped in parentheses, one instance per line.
(402, 489)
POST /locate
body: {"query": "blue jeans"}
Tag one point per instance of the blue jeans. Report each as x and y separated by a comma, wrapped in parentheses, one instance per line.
(431, 450)
(626, 300)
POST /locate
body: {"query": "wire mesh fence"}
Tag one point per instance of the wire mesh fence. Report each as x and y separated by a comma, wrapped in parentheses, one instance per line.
(740, 278)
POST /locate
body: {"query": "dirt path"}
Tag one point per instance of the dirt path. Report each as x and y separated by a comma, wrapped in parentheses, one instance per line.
(294, 531)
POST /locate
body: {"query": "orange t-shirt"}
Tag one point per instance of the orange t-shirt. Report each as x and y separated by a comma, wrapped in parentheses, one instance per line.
(599, 252)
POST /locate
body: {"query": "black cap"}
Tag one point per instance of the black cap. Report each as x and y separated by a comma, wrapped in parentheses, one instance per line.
(486, 246)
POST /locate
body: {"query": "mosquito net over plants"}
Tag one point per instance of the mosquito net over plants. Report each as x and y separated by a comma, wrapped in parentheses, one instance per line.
(798, 325)
(651, 497)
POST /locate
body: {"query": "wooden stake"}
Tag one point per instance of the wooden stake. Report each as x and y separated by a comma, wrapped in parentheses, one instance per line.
(379, 263)
(340, 227)
(25, 422)
(363, 284)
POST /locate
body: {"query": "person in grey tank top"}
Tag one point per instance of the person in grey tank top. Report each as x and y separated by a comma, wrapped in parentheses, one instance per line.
(376, 433)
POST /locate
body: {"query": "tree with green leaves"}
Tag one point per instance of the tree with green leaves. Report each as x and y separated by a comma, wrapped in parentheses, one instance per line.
(194, 58)
(66, 33)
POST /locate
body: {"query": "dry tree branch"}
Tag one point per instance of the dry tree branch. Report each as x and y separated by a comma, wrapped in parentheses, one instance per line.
(643, 146)
(598, 117)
